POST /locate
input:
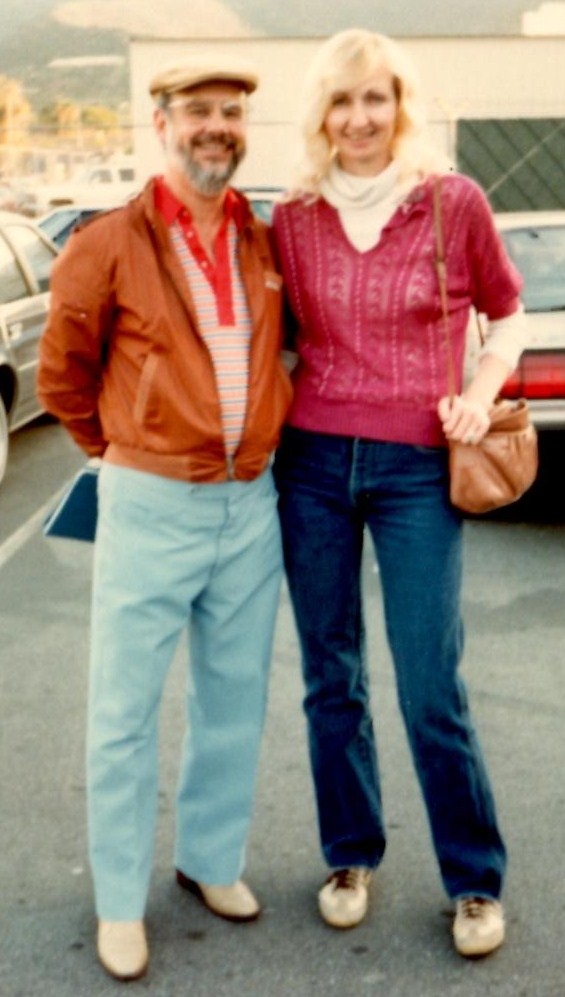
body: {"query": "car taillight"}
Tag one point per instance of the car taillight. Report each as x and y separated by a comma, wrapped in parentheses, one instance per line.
(538, 375)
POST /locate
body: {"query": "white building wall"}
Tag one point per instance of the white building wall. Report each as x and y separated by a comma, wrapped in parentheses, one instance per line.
(461, 77)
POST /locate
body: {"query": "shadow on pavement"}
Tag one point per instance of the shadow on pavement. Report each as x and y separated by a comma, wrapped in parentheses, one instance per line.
(545, 501)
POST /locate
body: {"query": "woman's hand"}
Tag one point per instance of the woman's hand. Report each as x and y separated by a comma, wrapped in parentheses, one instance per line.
(463, 419)
(466, 417)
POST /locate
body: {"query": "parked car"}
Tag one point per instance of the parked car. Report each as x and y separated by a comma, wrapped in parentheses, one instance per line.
(262, 200)
(97, 183)
(536, 244)
(26, 256)
(60, 222)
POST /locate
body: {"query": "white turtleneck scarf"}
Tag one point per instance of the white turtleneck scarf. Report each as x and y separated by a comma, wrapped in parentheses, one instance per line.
(364, 204)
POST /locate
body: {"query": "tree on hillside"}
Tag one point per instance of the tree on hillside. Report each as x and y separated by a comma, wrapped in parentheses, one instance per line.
(93, 126)
(15, 111)
(103, 124)
(62, 120)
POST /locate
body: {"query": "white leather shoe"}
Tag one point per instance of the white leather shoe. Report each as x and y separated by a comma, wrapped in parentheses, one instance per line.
(122, 948)
(478, 928)
(235, 902)
(344, 897)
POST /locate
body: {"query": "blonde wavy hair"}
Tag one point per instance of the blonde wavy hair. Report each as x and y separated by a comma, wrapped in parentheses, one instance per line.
(344, 61)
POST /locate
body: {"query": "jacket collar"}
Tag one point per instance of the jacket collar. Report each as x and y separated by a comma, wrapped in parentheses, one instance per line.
(236, 207)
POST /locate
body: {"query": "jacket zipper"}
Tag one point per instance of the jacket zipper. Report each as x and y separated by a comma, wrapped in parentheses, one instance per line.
(230, 463)
(230, 458)
(230, 467)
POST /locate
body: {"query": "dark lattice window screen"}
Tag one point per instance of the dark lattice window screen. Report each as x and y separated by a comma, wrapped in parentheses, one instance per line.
(519, 162)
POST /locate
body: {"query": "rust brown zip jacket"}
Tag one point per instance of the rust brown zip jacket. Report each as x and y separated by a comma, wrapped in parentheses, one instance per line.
(123, 365)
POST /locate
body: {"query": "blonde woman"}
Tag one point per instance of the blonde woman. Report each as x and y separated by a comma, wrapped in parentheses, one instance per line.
(365, 446)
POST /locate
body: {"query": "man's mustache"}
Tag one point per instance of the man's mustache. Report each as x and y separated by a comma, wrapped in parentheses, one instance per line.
(226, 141)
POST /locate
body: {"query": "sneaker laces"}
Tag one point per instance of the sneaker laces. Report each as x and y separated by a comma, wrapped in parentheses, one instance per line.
(472, 907)
(347, 879)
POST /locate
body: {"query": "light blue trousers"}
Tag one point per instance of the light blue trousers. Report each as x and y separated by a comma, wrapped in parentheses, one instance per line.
(170, 554)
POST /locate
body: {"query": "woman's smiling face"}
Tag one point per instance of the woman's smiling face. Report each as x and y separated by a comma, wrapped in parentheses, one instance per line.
(361, 122)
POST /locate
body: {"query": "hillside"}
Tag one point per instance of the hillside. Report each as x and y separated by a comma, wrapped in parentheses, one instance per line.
(31, 37)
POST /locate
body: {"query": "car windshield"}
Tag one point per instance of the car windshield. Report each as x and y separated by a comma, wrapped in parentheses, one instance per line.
(60, 220)
(539, 255)
(59, 225)
(12, 283)
(263, 208)
(38, 256)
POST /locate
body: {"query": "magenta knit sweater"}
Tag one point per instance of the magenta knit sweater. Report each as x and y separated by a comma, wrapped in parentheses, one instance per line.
(372, 357)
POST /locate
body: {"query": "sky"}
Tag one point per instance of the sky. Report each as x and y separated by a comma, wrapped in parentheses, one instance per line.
(313, 17)
(211, 18)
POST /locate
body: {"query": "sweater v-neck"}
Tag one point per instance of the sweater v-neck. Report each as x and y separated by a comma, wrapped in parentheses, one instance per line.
(365, 205)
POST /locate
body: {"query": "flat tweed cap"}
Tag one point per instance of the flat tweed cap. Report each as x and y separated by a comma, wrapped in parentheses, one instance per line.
(196, 71)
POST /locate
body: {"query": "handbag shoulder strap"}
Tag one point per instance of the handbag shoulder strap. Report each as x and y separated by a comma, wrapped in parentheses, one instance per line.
(441, 270)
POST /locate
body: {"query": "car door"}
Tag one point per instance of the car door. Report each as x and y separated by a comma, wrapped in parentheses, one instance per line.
(25, 264)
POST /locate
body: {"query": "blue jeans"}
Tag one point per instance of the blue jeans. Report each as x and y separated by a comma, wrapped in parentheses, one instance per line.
(330, 488)
(172, 556)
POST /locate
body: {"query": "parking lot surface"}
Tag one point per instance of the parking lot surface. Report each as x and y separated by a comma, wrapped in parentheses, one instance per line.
(514, 607)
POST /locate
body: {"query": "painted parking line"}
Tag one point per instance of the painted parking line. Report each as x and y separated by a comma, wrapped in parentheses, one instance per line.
(20, 537)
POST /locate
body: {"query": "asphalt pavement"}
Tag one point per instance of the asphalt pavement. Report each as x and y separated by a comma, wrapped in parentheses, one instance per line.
(514, 605)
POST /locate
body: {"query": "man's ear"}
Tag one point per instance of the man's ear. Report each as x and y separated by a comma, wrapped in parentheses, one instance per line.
(160, 123)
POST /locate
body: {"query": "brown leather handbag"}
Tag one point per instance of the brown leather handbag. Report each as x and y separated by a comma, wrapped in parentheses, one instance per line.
(498, 470)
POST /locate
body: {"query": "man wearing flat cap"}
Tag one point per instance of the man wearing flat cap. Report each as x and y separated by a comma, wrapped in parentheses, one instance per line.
(161, 357)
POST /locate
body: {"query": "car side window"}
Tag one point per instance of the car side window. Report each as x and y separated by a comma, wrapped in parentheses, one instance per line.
(38, 255)
(12, 283)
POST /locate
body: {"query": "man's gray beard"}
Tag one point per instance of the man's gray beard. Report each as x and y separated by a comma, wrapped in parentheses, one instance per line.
(209, 181)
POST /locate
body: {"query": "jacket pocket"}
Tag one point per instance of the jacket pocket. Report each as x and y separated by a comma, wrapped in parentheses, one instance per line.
(146, 382)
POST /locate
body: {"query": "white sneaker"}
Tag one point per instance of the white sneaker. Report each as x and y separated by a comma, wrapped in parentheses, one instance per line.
(478, 927)
(344, 897)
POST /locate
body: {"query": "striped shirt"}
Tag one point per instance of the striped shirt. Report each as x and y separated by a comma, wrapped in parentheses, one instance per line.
(221, 308)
